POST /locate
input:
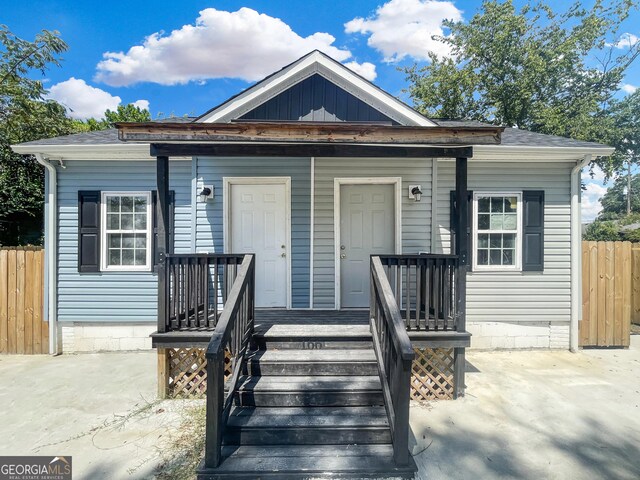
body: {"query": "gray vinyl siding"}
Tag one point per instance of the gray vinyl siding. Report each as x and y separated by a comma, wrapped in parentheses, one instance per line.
(517, 296)
(112, 296)
(416, 216)
(209, 215)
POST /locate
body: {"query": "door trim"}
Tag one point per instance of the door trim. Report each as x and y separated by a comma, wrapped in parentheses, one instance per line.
(337, 183)
(227, 182)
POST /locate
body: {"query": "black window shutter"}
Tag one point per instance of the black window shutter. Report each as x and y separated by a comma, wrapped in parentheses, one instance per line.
(89, 231)
(154, 201)
(453, 225)
(533, 231)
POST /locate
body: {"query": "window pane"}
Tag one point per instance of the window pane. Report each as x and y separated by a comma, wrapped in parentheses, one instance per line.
(483, 240)
(127, 240)
(483, 257)
(126, 204)
(509, 240)
(126, 220)
(113, 221)
(510, 204)
(127, 256)
(140, 204)
(141, 257)
(483, 222)
(507, 257)
(114, 257)
(496, 205)
(141, 221)
(113, 204)
(141, 241)
(114, 240)
(495, 257)
(510, 221)
(483, 205)
(495, 240)
(496, 221)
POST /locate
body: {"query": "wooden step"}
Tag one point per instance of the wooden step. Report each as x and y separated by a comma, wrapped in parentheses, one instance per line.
(321, 391)
(307, 426)
(308, 462)
(314, 337)
(313, 362)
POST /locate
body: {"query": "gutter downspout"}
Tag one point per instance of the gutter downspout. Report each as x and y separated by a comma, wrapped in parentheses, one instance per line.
(576, 253)
(50, 249)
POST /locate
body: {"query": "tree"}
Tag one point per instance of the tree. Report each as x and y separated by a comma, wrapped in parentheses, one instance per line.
(124, 113)
(614, 202)
(602, 232)
(535, 69)
(25, 116)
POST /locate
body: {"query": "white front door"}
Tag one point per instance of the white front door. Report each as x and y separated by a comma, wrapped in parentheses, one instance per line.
(258, 224)
(367, 227)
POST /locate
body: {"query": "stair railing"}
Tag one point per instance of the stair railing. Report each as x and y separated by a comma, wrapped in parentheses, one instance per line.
(394, 355)
(231, 338)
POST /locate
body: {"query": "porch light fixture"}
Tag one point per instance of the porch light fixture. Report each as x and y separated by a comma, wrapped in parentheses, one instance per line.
(415, 192)
(206, 193)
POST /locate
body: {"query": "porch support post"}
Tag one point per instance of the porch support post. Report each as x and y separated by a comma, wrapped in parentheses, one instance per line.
(462, 250)
(162, 171)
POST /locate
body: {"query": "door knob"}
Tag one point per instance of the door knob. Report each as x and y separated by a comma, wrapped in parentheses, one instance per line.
(283, 255)
(342, 255)
(342, 247)
(283, 246)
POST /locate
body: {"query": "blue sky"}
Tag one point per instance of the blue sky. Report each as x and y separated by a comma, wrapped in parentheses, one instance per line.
(183, 57)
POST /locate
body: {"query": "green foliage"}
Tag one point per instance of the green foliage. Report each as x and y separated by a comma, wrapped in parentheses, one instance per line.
(534, 69)
(124, 113)
(599, 231)
(614, 202)
(25, 116)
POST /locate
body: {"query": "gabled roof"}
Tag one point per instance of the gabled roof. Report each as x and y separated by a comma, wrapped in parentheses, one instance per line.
(315, 63)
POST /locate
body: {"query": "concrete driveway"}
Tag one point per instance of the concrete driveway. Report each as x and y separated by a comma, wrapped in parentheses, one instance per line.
(99, 408)
(536, 415)
(527, 415)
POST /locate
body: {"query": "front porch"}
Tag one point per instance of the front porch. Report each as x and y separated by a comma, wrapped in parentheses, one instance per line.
(264, 367)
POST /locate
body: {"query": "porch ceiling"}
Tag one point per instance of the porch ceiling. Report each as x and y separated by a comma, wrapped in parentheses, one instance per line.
(308, 133)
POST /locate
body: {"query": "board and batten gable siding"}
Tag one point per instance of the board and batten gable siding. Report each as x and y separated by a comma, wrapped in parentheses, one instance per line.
(416, 216)
(517, 296)
(209, 215)
(112, 296)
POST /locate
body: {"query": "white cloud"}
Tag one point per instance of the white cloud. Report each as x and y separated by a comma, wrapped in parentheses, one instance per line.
(84, 101)
(591, 201)
(628, 88)
(366, 69)
(243, 44)
(626, 40)
(404, 28)
(142, 104)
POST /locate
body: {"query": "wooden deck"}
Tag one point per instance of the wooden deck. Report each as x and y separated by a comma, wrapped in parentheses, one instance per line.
(297, 322)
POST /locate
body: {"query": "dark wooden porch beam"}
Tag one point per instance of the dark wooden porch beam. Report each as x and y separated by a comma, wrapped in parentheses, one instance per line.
(162, 219)
(307, 150)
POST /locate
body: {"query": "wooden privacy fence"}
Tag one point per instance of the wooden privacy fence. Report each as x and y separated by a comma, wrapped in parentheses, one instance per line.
(22, 327)
(610, 292)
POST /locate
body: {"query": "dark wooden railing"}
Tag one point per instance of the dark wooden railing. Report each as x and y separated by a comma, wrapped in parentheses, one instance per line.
(394, 355)
(424, 287)
(196, 289)
(232, 334)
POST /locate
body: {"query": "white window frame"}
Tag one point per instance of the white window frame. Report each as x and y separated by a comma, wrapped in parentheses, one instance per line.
(104, 248)
(517, 267)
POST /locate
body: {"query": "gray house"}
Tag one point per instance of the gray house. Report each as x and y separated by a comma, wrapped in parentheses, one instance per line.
(112, 303)
(310, 197)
